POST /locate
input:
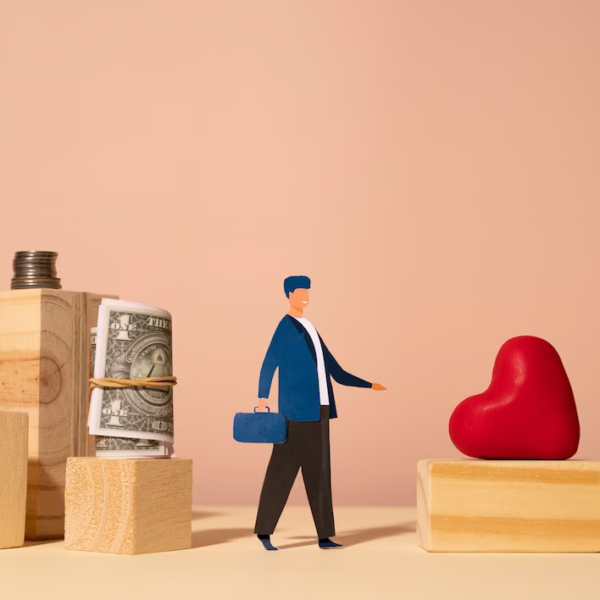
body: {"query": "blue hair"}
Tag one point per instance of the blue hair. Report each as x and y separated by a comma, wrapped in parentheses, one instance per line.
(291, 284)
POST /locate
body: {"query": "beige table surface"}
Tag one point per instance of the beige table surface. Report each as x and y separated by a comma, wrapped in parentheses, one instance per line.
(381, 560)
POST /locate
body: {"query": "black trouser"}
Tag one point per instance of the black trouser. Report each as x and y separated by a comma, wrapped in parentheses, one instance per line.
(307, 447)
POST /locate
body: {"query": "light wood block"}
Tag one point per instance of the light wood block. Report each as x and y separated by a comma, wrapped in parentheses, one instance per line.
(124, 506)
(44, 369)
(508, 506)
(13, 477)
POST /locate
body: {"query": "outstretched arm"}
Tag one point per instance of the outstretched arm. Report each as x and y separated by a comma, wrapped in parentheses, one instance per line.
(342, 376)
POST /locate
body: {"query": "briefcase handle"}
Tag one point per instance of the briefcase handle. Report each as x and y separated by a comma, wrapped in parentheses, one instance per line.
(267, 407)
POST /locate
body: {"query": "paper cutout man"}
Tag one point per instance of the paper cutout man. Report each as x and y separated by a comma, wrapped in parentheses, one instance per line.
(306, 398)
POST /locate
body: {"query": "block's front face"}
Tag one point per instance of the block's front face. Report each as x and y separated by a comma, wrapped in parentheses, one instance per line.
(128, 506)
(44, 353)
(99, 499)
(13, 477)
(509, 506)
(20, 360)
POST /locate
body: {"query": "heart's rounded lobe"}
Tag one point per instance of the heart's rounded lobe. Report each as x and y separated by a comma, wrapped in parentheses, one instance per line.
(528, 412)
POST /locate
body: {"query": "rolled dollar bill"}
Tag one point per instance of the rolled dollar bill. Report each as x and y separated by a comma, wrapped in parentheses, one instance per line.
(120, 447)
(133, 341)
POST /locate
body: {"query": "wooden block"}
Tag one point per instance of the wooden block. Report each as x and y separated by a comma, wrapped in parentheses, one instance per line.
(13, 477)
(44, 369)
(508, 506)
(124, 506)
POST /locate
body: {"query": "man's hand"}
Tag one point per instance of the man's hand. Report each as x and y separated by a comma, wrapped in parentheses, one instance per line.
(378, 387)
(262, 405)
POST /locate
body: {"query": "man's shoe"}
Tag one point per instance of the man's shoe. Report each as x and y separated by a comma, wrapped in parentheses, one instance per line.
(266, 542)
(327, 544)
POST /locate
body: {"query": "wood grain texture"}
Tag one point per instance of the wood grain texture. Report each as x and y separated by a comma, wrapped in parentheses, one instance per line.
(44, 368)
(14, 428)
(128, 506)
(508, 506)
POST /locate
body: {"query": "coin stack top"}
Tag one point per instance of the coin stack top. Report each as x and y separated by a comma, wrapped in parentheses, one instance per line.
(35, 269)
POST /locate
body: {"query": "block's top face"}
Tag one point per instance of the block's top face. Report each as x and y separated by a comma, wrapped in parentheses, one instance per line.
(580, 472)
(17, 415)
(39, 292)
(36, 296)
(129, 461)
(139, 469)
(10, 294)
(567, 465)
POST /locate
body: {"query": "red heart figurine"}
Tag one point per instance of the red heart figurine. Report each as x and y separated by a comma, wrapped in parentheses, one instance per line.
(528, 412)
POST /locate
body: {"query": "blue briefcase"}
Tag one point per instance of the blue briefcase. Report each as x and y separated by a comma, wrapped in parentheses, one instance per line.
(260, 428)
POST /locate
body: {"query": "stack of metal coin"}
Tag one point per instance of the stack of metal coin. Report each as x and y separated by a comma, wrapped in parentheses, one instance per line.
(35, 269)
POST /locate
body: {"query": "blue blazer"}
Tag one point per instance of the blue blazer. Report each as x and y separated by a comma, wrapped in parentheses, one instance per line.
(293, 353)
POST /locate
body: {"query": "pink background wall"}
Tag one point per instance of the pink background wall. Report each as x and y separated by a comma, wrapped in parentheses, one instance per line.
(433, 166)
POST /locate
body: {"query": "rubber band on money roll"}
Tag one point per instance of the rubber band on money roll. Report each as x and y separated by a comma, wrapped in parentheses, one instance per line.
(146, 382)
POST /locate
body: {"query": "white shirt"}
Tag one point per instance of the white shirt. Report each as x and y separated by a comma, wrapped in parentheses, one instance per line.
(314, 336)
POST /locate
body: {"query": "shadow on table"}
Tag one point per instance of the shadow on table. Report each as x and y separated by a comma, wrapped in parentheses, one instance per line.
(31, 544)
(198, 513)
(359, 536)
(215, 537)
